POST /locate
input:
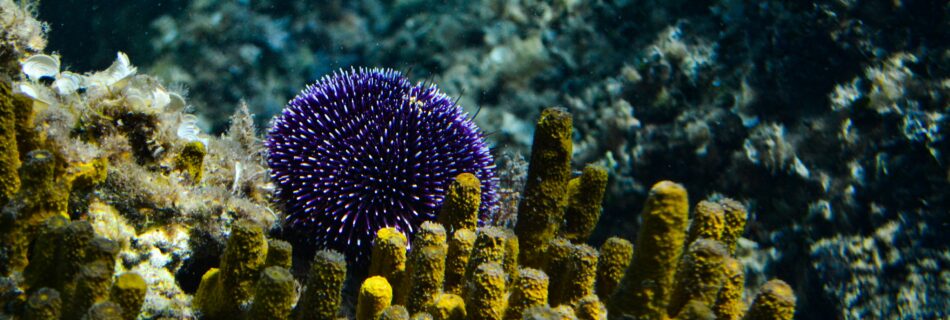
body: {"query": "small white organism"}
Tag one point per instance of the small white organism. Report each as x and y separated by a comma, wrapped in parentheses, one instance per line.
(40, 66)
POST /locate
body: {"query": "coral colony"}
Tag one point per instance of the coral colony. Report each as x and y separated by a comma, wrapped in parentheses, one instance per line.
(363, 150)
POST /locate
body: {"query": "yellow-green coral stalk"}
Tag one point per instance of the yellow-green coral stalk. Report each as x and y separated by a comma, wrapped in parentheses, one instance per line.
(590, 308)
(273, 294)
(321, 299)
(700, 274)
(447, 306)
(614, 259)
(428, 272)
(775, 301)
(375, 296)
(486, 298)
(45, 256)
(585, 197)
(92, 286)
(582, 272)
(429, 234)
(43, 304)
(389, 260)
(645, 289)
(222, 291)
(456, 263)
(279, 253)
(707, 222)
(462, 200)
(105, 310)
(489, 247)
(542, 208)
(729, 305)
(557, 267)
(9, 153)
(529, 290)
(735, 216)
(695, 310)
(191, 160)
(129, 291)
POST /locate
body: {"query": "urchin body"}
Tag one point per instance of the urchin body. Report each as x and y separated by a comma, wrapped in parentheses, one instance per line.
(365, 149)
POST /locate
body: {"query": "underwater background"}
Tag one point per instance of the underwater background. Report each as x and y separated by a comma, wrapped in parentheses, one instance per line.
(826, 119)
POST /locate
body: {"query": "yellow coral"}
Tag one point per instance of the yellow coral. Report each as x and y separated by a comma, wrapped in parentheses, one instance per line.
(700, 274)
(645, 289)
(729, 305)
(429, 234)
(105, 310)
(614, 258)
(486, 298)
(241, 263)
(447, 306)
(557, 267)
(375, 296)
(273, 294)
(389, 260)
(462, 200)
(428, 272)
(43, 304)
(582, 272)
(9, 153)
(39, 200)
(735, 215)
(707, 222)
(92, 286)
(489, 247)
(775, 301)
(585, 197)
(590, 308)
(324, 284)
(695, 310)
(460, 250)
(542, 208)
(191, 160)
(529, 290)
(279, 253)
(128, 291)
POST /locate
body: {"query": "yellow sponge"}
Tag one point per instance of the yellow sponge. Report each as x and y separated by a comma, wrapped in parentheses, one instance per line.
(541, 210)
(129, 291)
(707, 222)
(273, 294)
(447, 306)
(775, 301)
(729, 305)
(460, 250)
(529, 290)
(486, 298)
(700, 275)
(645, 289)
(462, 200)
(321, 299)
(614, 258)
(389, 260)
(375, 296)
(585, 197)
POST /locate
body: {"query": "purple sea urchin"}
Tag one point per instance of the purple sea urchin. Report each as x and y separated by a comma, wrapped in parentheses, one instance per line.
(365, 149)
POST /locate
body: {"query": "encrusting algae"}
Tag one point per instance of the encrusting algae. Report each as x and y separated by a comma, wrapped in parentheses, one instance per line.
(127, 151)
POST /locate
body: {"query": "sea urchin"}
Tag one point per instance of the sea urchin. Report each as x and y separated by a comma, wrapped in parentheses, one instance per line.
(365, 149)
